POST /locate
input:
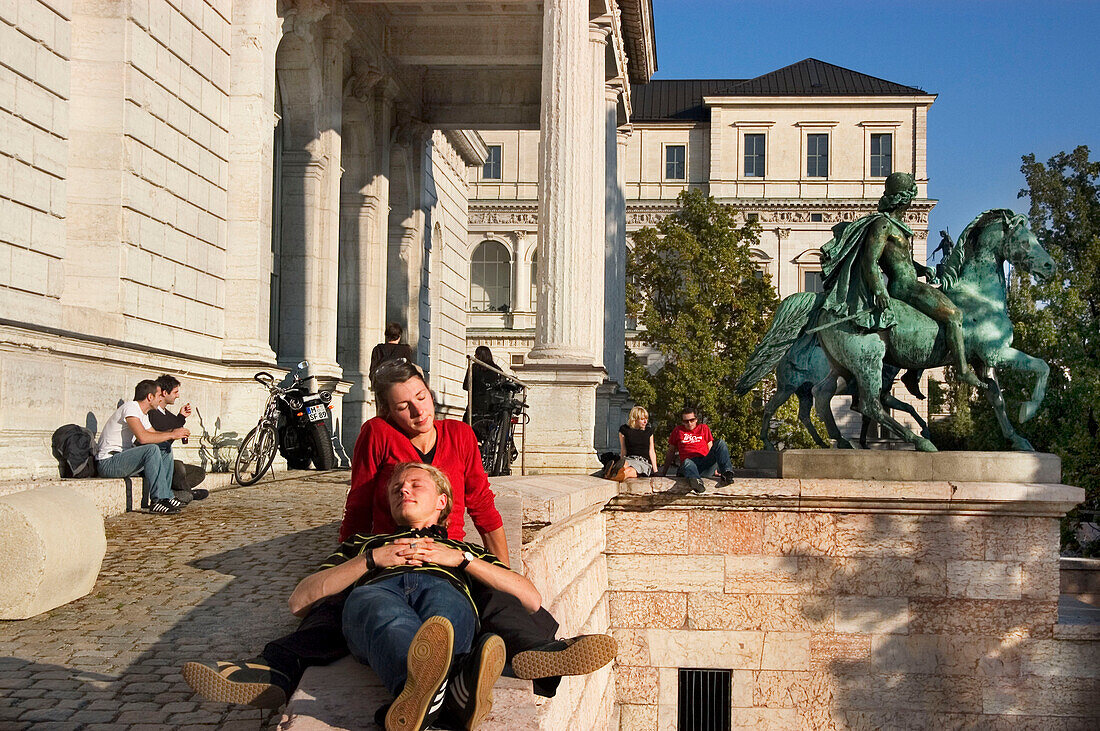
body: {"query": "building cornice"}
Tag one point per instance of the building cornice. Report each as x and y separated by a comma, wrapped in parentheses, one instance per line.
(469, 145)
(641, 45)
(817, 101)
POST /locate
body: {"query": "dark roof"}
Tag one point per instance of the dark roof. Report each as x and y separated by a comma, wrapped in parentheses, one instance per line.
(676, 99)
(682, 99)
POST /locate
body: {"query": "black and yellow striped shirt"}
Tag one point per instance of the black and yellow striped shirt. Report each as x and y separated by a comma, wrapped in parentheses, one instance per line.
(362, 542)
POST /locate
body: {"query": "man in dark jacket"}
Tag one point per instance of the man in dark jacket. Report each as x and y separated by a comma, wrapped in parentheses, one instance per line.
(184, 476)
(392, 349)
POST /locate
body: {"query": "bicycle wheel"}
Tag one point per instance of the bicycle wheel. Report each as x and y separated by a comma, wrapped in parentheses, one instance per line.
(485, 430)
(255, 455)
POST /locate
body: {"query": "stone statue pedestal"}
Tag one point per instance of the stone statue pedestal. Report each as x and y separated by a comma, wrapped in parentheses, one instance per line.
(866, 464)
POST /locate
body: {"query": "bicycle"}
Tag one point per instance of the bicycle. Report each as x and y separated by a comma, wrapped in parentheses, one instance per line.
(495, 434)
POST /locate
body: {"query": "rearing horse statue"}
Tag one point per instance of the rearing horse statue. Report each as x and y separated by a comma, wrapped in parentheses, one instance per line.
(974, 280)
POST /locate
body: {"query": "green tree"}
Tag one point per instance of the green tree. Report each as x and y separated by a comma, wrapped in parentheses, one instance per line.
(692, 286)
(1059, 321)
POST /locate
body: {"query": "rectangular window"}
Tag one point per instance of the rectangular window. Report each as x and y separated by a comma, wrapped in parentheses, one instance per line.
(754, 156)
(816, 218)
(705, 700)
(811, 282)
(675, 162)
(817, 156)
(881, 154)
(491, 169)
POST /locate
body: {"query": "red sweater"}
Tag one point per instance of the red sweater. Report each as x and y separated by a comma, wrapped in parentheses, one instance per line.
(380, 447)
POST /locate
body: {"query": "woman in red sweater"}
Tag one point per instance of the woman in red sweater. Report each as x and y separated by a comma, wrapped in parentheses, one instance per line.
(406, 430)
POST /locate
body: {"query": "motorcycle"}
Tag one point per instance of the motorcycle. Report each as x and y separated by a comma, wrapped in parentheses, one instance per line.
(296, 422)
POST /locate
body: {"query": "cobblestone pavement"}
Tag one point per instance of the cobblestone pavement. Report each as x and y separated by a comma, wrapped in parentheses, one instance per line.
(209, 583)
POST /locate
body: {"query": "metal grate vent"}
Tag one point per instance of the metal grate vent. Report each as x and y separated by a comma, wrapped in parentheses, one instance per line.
(705, 700)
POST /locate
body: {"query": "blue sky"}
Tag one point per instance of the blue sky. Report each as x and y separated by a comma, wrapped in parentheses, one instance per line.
(1012, 77)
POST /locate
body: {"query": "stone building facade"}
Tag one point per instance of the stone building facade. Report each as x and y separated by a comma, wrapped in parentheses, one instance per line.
(213, 187)
(747, 142)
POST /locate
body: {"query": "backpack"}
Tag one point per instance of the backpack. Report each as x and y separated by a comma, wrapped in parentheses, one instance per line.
(74, 447)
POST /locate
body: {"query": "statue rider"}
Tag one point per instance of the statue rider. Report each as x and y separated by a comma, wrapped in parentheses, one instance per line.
(870, 261)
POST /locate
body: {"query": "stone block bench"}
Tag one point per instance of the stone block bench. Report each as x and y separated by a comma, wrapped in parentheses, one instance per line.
(556, 536)
(51, 548)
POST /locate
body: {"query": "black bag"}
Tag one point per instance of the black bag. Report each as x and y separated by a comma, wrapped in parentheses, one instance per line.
(74, 447)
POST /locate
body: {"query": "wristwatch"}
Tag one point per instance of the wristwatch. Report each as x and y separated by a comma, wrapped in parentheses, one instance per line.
(467, 557)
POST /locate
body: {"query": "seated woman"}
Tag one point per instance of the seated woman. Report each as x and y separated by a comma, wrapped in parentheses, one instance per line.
(636, 447)
(411, 610)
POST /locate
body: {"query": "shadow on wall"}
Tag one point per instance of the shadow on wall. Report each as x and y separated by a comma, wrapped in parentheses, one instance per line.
(217, 449)
(856, 620)
(926, 621)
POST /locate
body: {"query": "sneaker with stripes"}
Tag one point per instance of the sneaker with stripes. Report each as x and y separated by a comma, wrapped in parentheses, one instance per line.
(163, 507)
(470, 693)
(429, 663)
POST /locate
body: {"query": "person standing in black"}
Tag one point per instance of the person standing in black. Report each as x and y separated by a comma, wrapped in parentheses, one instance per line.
(392, 349)
(480, 382)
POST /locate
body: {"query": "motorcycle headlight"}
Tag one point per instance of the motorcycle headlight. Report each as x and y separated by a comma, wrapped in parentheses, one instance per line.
(325, 397)
(294, 403)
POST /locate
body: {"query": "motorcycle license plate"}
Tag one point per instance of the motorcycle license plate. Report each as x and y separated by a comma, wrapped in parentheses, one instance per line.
(318, 412)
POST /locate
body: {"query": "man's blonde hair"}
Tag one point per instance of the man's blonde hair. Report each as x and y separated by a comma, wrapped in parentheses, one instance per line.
(636, 416)
(442, 484)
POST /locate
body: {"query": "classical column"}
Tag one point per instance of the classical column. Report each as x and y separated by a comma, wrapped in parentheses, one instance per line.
(562, 368)
(615, 324)
(406, 230)
(359, 210)
(249, 193)
(597, 36)
(521, 274)
(324, 260)
(562, 329)
(612, 396)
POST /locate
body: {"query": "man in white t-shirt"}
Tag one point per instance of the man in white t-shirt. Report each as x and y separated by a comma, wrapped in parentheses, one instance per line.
(128, 445)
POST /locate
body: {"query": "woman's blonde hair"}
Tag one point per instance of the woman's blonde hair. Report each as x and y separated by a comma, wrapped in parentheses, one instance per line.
(636, 416)
(442, 484)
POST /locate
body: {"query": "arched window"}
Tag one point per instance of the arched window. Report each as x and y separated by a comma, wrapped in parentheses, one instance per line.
(490, 277)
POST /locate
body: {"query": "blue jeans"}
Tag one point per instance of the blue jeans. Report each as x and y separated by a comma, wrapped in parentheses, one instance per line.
(719, 456)
(380, 620)
(154, 464)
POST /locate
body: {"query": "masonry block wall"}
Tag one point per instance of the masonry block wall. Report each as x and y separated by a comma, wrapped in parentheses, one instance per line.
(446, 272)
(853, 619)
(34, 130)
(113, 177)
(566, 562)
(175, 139)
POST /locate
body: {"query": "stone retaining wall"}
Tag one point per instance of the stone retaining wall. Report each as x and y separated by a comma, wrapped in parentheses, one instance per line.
(883, 606)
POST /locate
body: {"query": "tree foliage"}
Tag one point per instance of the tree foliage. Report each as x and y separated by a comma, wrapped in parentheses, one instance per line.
(1059, 321)
(692, 286)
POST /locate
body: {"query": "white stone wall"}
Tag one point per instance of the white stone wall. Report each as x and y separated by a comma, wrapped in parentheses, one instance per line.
(34, 134)
(175, 174)
(113, 177)
(448, 271)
